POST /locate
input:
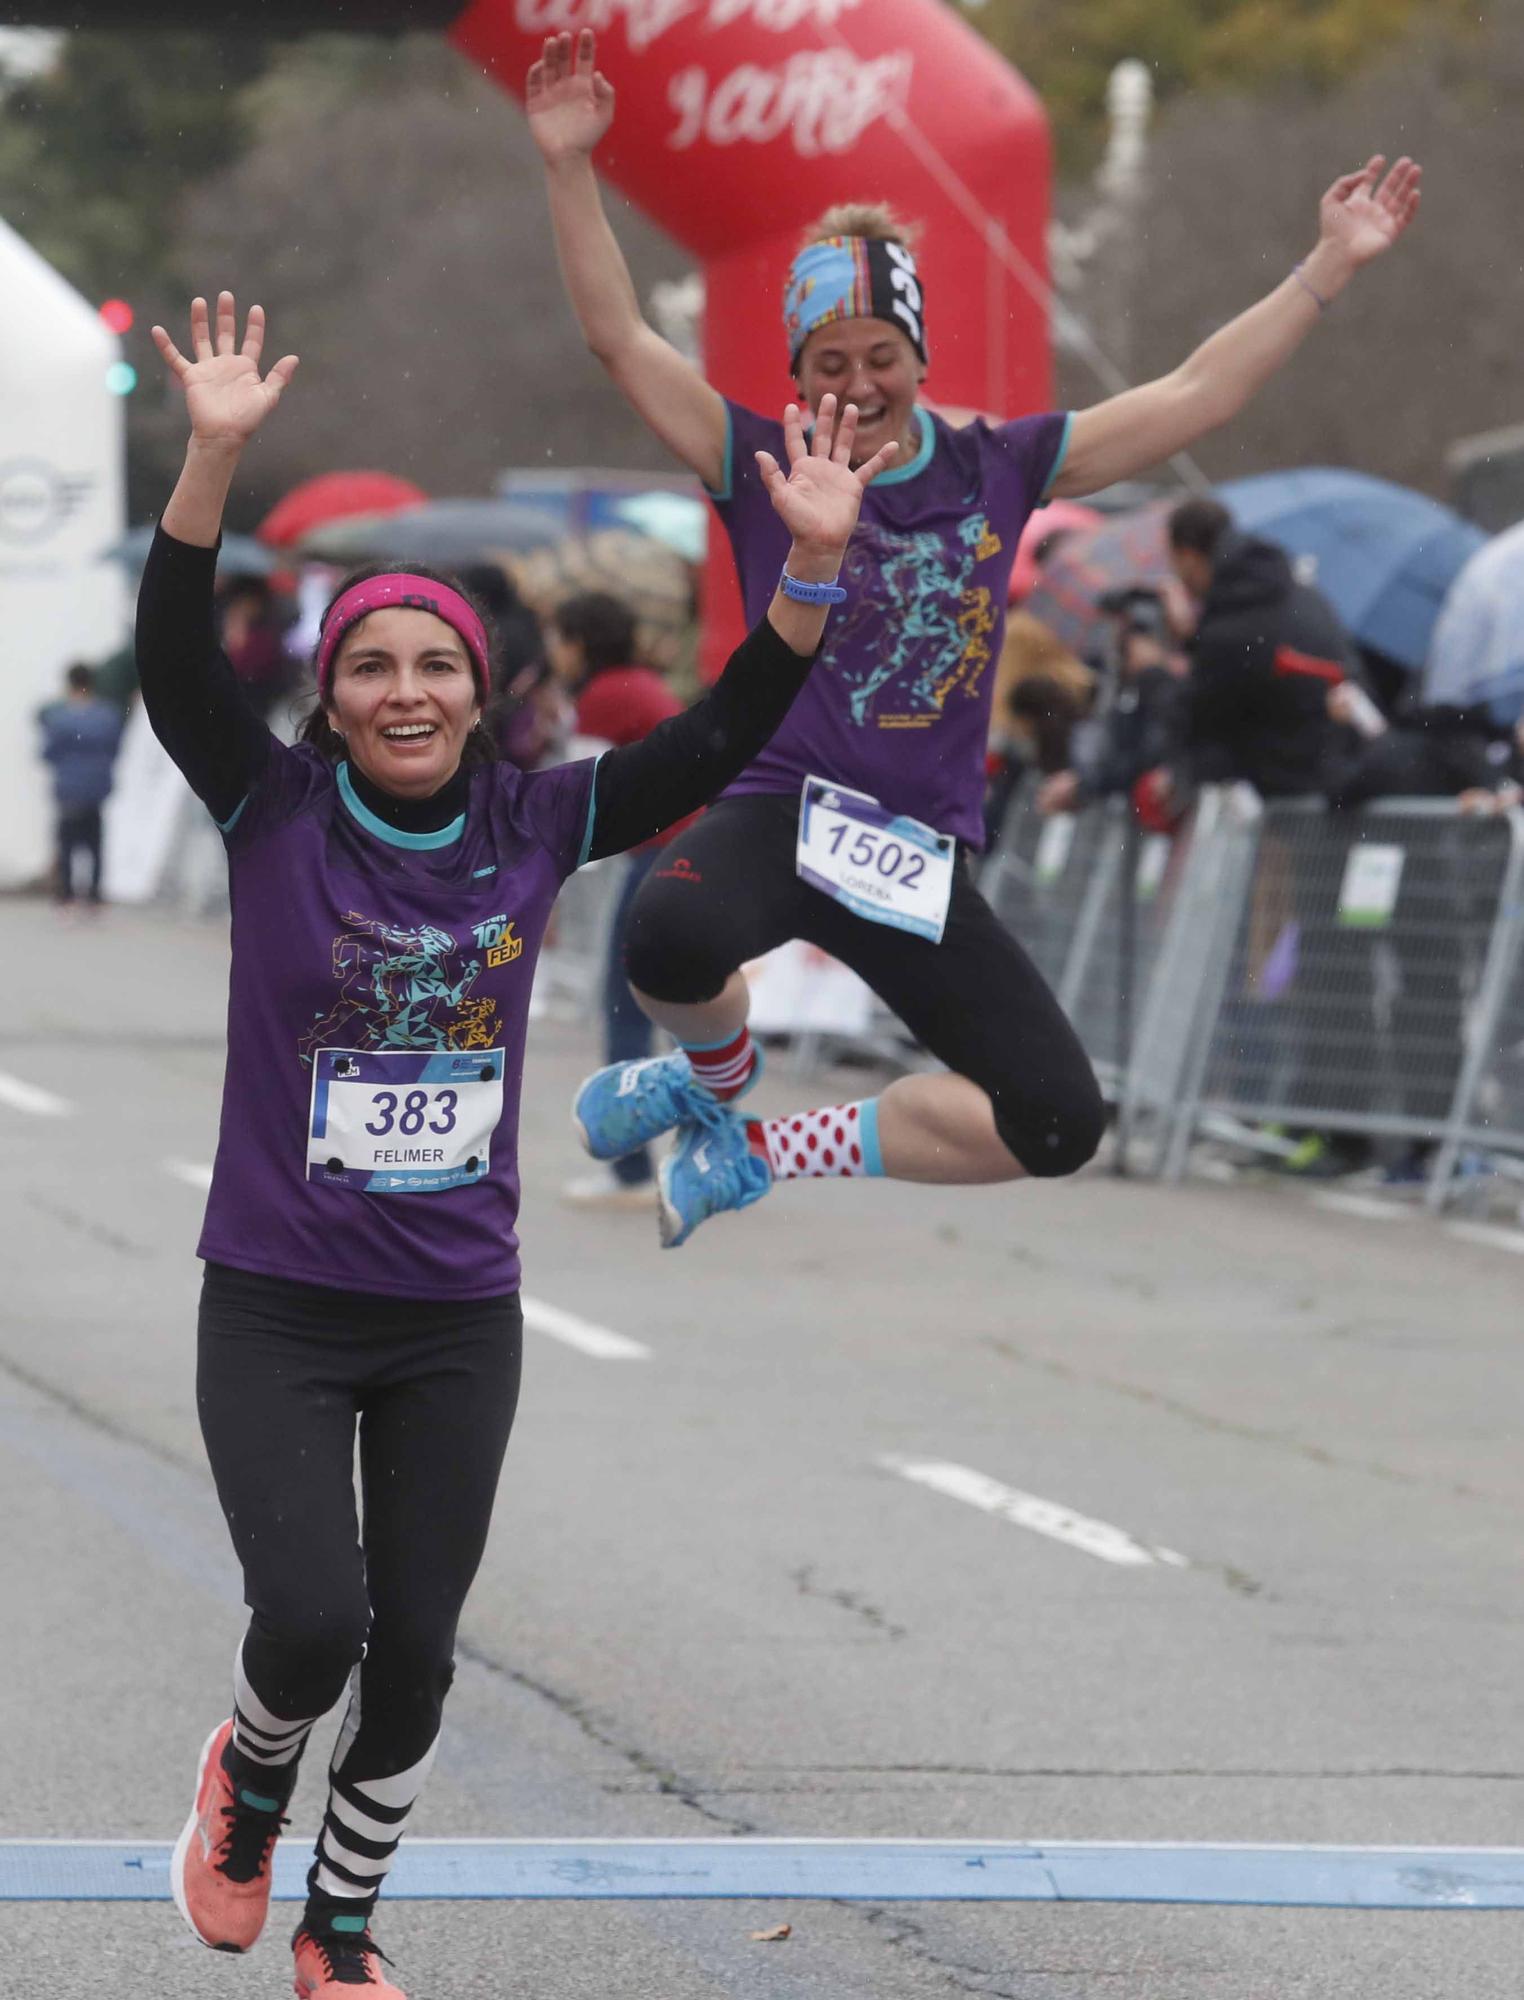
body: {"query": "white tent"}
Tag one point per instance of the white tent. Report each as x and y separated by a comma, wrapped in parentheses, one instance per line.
(61, 506)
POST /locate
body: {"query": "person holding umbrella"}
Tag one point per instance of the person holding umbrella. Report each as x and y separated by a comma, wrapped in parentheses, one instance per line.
(851, 829)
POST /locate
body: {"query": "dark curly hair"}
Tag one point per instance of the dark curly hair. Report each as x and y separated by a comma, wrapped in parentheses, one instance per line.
(480, 746)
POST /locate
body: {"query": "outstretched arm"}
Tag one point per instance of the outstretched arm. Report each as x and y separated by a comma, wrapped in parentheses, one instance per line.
(1362, 215)
(682, 764)
(190, 691)
(571, 105)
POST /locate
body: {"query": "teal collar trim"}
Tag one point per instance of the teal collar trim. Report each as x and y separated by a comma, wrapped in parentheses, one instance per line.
(592, 809)
(393, 835)
(898, 474)
(726, 486)
(1058, 463)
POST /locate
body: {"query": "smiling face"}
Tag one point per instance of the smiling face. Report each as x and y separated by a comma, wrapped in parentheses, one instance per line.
(404, 699)
(870, 363)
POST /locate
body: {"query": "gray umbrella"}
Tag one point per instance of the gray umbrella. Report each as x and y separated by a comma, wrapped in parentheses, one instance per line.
(443, 531)
(240, 555)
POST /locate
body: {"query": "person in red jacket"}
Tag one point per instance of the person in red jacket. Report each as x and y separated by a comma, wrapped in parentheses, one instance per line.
(590, 642)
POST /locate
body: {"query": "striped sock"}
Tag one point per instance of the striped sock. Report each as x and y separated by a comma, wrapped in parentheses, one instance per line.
(272, 1743)
(363, 1824)
(832, 1142)
(723, 1068)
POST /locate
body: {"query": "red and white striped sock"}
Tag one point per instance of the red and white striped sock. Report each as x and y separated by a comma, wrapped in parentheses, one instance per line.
(724, 1070)
(832, 1142)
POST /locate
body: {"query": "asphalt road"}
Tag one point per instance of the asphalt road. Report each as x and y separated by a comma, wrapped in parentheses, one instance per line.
(715, 1603)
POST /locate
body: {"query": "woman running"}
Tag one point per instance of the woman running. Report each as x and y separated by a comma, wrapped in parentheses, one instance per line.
(851, 830)
(390, 888)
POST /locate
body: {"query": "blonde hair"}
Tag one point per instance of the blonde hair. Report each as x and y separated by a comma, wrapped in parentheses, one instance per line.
(875, 220)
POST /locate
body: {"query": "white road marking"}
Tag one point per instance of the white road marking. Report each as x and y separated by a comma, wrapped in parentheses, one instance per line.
(1489, 1233)
(1369, 1206)
(599, 1341)
(191, 1172)
(1029, 1510)
(27, 1097)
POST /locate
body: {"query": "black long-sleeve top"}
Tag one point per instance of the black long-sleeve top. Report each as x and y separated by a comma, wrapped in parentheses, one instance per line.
(198, 713)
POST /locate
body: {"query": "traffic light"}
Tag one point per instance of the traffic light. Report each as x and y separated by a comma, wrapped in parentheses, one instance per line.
(118, 315)
(121, 378)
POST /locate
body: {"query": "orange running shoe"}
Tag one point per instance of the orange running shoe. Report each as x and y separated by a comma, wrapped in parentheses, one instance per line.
(220, 1872)
(333, 1961)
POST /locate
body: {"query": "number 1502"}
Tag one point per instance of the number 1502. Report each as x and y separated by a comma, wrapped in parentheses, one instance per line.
(868, 849)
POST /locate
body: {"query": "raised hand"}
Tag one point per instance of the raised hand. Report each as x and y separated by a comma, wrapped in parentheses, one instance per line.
(1364, 213)
(818, 500)
(569, 102)
(224, 394)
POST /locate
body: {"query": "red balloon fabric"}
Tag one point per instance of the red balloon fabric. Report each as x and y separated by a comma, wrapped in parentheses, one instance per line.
(333, 496)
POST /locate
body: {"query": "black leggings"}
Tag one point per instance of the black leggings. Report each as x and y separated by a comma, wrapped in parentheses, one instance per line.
(726, 891)
(286, 1373)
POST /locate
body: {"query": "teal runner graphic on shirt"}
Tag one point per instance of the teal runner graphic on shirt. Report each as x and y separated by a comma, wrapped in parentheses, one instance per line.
(410, 989)
(932, 623)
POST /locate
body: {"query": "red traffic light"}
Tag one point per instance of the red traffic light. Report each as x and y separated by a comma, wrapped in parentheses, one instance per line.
(118, 315)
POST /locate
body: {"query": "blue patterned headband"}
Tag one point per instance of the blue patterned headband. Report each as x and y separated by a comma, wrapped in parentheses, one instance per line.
(852, 277)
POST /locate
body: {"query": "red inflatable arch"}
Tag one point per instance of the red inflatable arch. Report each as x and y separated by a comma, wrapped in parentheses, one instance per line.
(740, 120)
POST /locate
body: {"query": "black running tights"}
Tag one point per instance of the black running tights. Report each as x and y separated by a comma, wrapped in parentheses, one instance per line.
(287, 1374)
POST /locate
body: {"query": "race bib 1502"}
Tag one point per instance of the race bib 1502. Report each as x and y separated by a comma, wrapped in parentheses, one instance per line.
(881, 865)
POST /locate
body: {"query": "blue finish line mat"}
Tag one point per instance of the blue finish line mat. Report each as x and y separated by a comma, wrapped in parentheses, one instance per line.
(879, 1871)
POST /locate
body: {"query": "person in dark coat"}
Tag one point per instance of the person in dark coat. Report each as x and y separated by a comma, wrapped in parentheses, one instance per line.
(1264, 654)
(1427, 753)
(80, 736)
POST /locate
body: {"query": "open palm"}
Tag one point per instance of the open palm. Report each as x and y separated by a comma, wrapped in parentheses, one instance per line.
(570, 105)
(1364, 213)
(225, 395)
(819, 499)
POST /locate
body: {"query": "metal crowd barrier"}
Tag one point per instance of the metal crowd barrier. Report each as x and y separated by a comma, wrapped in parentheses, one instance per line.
(1285, 966)
(1368, 966)
(569, 977)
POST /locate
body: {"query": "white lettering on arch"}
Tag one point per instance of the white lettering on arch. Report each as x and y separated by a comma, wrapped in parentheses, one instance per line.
(822, 99)
(646, 21)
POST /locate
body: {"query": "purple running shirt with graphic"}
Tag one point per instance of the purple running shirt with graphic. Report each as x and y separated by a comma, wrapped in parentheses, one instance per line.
(899, 702)
(348, 934)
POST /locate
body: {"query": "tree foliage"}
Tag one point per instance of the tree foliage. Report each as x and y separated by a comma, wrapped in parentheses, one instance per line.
(1068, 48)
(97, 153)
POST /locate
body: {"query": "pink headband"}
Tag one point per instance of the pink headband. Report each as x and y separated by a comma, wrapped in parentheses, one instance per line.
(407, 593)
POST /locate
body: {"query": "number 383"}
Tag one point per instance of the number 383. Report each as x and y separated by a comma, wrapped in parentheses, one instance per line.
(416, 1106)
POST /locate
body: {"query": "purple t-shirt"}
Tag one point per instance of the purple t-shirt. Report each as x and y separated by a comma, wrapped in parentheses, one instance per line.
(899, 702)
(348, 934)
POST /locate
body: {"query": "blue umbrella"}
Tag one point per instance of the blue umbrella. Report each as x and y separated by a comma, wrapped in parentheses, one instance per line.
(1385, 557)
(1478, 650)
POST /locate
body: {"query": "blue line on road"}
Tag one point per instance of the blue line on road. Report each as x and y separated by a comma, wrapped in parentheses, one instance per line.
(1371, 1878)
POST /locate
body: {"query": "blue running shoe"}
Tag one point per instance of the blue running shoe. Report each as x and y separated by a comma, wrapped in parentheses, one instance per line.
(709, 1170)
(621, 1108)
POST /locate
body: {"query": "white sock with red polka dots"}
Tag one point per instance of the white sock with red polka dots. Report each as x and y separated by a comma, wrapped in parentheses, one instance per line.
(832, 1142)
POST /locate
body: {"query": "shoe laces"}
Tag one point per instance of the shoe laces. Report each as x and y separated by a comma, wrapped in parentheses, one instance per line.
(347, 1956)
(729, 1161)
(243, 1854)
